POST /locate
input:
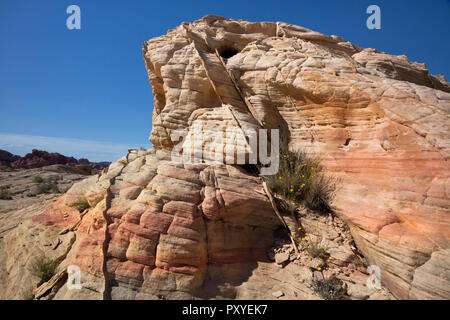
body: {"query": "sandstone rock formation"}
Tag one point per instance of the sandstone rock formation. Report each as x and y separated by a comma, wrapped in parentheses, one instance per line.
(380, 122)
(154, 228)
(159, 229)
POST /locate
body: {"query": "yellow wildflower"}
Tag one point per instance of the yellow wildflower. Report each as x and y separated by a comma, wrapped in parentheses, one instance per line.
(325, 246)
(319, 268)
(303, 239)
(280, 177)
(328, 260)
(292, 190)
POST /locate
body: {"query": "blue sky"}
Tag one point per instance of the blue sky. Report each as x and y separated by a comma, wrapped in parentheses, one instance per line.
(85, 92)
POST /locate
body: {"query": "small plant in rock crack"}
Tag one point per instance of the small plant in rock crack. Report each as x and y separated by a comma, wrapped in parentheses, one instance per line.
(301, 179)
(315, 250)
(43, 268)
(81, 204)
(5, 194)
(299, 234)
(329, 288)
(321, 194)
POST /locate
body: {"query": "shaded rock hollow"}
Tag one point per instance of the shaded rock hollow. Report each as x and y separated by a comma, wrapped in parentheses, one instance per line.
(160, 229)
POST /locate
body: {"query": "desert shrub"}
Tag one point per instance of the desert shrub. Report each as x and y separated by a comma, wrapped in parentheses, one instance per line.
(315, 250)
(321, 194)
(329, 288)
(301, 179)
(81, 204)
(27, 294)
(43, 268)
(47, 187)
(5, 194)
(38, 179)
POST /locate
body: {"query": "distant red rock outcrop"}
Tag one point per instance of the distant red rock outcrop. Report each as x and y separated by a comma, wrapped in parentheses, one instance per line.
(6, 158)
(39, 158)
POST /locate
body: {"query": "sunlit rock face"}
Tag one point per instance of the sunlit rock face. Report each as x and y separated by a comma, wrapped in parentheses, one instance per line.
(155, 229)
(380, 122)
(160, 229)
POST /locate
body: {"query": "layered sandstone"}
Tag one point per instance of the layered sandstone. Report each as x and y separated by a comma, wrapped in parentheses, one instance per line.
(380, 122)
(155, 229)
(159, 229)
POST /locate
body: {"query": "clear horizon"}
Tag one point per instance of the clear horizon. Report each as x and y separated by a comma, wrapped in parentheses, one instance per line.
(85, 93)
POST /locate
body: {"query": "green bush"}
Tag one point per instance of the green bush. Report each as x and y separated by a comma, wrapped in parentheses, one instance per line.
(48, 187)
(301, 179)
(43, 268)
(38, 179)
(81, 204)
(329, 289)
(5, 194)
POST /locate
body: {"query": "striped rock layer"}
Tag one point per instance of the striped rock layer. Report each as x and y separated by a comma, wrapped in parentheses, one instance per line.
(380, 123)
(158, 229)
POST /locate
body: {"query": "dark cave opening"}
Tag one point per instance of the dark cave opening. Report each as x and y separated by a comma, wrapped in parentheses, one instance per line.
(227, 52)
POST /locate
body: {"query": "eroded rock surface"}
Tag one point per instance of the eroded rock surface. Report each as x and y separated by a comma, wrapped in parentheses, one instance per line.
(157, 229)
(380, 122)
(154, 229)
